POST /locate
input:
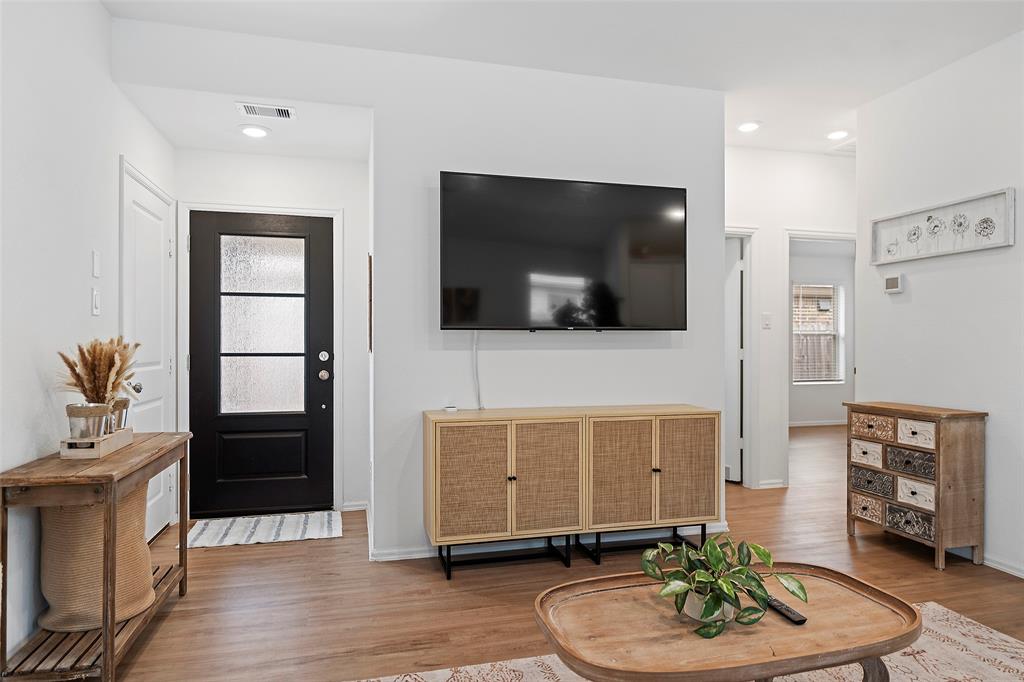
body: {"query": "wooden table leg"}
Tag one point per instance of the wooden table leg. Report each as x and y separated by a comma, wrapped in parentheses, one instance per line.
(3, 582)
(109, 581)
(183, 521)
(874, 670)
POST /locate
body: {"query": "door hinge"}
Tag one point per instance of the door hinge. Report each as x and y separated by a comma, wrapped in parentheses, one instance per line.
(170, 248)
(188, 242)
(188, 362)
(170, 365)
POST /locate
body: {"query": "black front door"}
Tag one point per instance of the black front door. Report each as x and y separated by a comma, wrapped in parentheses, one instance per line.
(261, 363)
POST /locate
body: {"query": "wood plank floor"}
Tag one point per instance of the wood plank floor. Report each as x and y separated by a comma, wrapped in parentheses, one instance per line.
(318, 610)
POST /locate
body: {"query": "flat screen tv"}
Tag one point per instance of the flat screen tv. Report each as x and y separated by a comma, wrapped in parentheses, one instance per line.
(531, 253)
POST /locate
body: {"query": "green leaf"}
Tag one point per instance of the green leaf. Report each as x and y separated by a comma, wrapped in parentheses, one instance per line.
(743, 552)
(680, 602)
(763, 554)
(665, 547)
(714, 554)
(710, 630)
(758, 594)
(712, 605)
(702, 576)
(749, 615)
(675, 587)
(649, 554)
(677, 574)
(730, 546)
(792, 585)
(728, 595)
(651, 569)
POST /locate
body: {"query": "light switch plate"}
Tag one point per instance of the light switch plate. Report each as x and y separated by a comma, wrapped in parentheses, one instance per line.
(95, 264)
(95, 302)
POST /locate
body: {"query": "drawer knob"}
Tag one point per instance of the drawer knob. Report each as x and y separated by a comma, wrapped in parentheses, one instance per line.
(907, 462)
(864, 508)
(871, 426)
(871, 480)
(913, 433)
(863, 452)
(913, 492)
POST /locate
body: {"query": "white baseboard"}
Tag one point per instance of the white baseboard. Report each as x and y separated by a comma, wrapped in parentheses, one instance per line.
(355, 506)
(428, 551)
(822, 422)
(1005, 566)
(772, 483)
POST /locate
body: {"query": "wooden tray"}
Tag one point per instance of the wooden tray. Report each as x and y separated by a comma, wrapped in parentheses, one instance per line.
(95, 448)
(618, 628)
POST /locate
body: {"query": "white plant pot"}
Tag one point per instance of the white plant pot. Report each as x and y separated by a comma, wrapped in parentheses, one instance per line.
(694, 605)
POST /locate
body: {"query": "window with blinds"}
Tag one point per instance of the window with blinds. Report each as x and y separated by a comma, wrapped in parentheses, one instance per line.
(816, 333)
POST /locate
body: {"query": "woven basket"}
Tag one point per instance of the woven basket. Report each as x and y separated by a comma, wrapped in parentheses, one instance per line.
(72, 564)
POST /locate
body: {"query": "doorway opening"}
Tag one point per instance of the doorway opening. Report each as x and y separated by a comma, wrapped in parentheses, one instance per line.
(822, 345)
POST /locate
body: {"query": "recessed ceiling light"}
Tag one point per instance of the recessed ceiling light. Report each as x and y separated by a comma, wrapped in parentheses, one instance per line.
(838, 135)
(749, 126)
(251, 130)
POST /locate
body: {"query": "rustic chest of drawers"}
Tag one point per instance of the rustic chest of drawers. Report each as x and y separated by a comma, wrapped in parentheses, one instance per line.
(918, 472)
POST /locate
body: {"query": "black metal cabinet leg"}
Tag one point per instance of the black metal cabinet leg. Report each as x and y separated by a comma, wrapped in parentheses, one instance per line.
(444, 553)
(568, 551)
(703, 533)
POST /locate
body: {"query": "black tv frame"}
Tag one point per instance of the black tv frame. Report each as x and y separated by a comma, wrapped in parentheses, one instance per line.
(440, 302)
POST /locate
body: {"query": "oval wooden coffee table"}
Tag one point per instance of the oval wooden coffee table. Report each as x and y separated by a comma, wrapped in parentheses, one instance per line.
(618, 628)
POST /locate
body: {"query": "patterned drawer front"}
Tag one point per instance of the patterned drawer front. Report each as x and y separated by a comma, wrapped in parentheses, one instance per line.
(915, 493)
(913, 432)
(866, 507)
(872, 426)
(866, 452)
(911, 461)
(871, 481)
(909, 521)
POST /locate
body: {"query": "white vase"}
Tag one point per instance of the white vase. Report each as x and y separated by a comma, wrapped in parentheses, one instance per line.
(694, 605)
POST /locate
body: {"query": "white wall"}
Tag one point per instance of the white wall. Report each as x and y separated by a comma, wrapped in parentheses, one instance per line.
(274, 181)
(953, 338)
(60, 189)
(432, 114)
(817, 404)
(779, 194)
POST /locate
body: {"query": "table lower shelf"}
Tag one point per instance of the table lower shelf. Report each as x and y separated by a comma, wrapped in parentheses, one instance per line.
(79, 655)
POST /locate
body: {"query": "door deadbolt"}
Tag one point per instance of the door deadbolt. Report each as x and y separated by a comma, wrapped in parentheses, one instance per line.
(324, 356)
(324, 375)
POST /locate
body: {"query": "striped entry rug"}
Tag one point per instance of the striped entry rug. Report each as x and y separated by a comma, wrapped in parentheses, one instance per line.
(251, 530)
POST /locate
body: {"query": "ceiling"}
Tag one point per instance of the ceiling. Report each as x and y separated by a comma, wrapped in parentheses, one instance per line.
(207, 120)
(801, 68)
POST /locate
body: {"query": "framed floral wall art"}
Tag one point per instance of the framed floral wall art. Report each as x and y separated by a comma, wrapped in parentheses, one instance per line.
(981, 222)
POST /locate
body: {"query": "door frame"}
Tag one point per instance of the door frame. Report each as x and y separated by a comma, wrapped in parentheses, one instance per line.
(126, 169)
(337, 275)
(751, 361)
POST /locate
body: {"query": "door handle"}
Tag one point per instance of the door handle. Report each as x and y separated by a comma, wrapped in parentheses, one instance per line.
(324, 375)
(137, 386)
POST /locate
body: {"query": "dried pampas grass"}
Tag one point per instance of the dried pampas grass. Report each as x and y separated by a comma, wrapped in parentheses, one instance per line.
(101, 369)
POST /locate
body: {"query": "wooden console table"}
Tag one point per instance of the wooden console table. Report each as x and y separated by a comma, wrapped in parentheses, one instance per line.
(51, 481)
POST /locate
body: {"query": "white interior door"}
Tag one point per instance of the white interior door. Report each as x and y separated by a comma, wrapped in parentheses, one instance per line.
(731, 414)
(147, 316)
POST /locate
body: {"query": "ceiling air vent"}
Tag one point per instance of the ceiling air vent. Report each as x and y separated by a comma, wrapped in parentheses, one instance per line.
(264, 110)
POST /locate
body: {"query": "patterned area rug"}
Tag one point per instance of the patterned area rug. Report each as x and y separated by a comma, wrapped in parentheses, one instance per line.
(952, 648)
(251, 530)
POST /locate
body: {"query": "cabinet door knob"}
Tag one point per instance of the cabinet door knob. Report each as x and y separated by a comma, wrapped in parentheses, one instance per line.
(871, 426)
(913, 492)
(656, 470)
(913, 433)
(864, 508)
(863, 452)
(907, 462)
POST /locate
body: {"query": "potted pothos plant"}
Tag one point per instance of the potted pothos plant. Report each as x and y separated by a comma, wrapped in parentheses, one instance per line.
(707, 584)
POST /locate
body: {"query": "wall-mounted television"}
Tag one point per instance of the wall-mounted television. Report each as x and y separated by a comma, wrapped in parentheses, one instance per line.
(533, 254)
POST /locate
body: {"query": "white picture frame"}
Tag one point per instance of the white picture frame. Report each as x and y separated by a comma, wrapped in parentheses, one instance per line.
(984, 221)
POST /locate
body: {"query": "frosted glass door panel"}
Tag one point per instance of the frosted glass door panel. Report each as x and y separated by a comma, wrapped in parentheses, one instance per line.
(262, 265)
(262, 384)
(262, 324)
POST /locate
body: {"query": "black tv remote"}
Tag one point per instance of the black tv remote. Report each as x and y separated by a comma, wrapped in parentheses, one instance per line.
(787, 611)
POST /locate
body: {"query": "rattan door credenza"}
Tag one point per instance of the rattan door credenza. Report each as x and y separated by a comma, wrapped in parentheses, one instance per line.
(506, 474)
(918, 472)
